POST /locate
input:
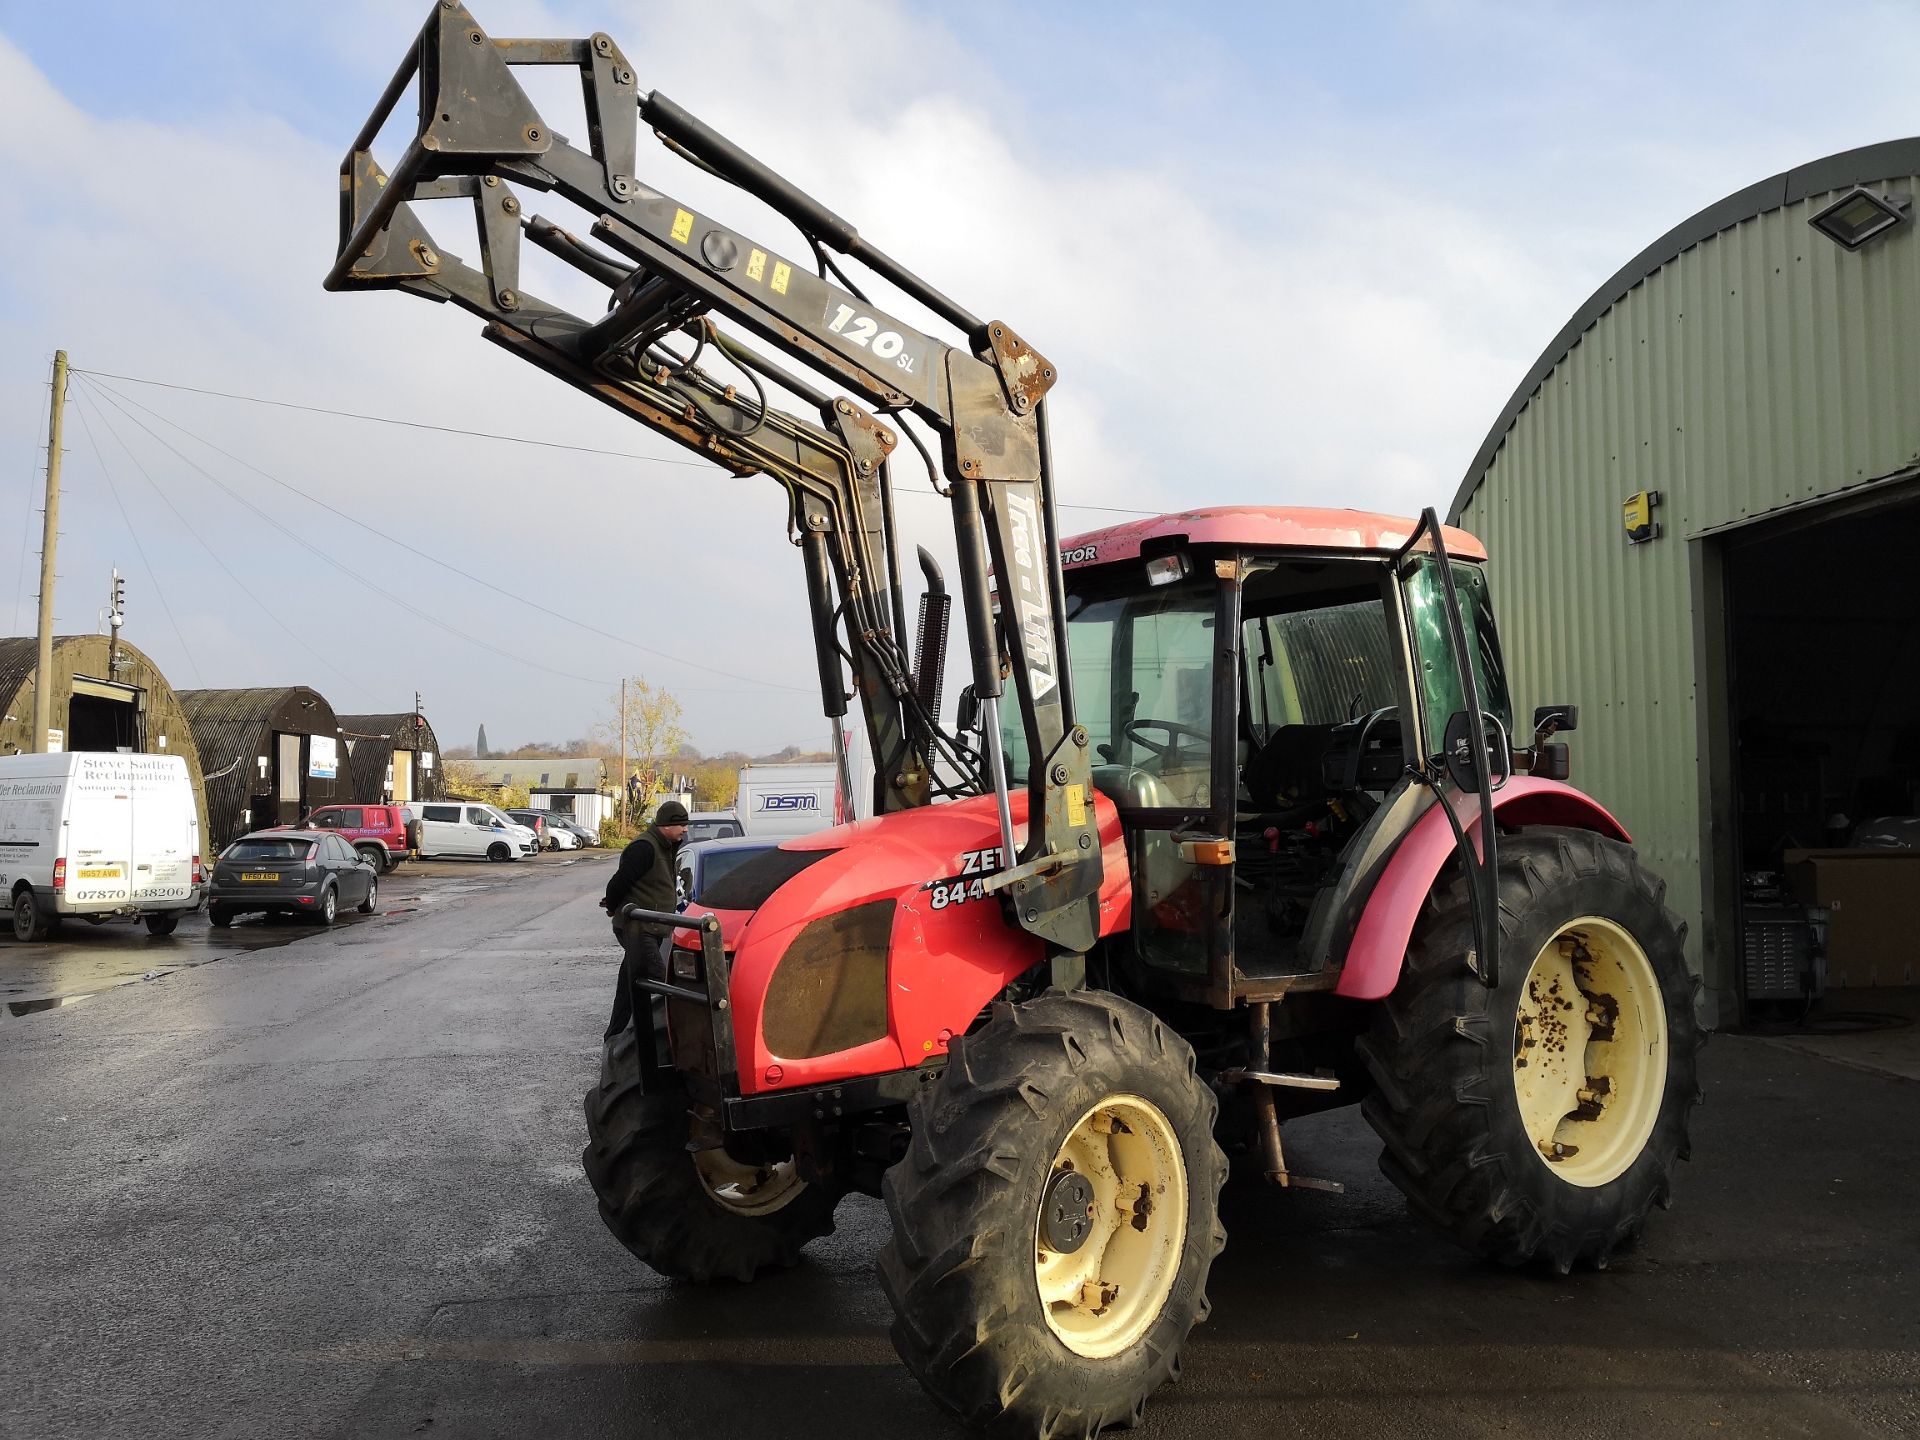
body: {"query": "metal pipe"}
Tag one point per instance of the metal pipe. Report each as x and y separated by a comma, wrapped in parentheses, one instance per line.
(895, 591)
(970, 541)
(813, 554)
(997, 772)
(1056, 572)
(556, 240)
(383, 107)
(1260, 1044)
(843, 773)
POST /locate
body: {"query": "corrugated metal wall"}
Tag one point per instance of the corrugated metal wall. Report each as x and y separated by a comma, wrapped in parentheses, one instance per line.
(1763, 368)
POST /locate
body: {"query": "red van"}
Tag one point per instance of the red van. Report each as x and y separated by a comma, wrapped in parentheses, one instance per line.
(383, 834)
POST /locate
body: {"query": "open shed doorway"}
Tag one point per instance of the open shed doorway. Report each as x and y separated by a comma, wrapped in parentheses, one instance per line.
(104, 716)
(1823, 641)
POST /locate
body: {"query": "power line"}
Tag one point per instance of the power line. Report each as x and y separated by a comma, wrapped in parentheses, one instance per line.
(495, 436)
(394, 420)
(212, 554)
(434, 559)
(141, 550)
(344, 568)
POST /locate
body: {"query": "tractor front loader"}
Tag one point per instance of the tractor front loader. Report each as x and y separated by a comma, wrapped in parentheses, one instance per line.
(1233, 821)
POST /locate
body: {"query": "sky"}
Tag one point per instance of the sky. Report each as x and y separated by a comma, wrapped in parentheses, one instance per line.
(1278, 254)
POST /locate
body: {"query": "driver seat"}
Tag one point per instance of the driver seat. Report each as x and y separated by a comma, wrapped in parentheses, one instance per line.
(1288, 770)
(1133, 789)
(1162, 871)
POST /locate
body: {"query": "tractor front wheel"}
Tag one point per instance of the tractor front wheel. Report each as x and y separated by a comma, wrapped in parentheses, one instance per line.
(1055, 1217)
(1541, 1117)
(691, 1215)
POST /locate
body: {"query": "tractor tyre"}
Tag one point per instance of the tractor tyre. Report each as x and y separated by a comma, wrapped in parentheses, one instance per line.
(699, 1215)
(1540, 1118)
(1055, 1217)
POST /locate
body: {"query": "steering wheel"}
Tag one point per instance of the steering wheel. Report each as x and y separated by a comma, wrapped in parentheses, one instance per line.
(1357, 756)
(1175, 730)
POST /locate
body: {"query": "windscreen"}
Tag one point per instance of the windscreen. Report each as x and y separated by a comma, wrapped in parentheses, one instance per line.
(269, 849)
(719, 865)
(750, 884)
(1320, 666)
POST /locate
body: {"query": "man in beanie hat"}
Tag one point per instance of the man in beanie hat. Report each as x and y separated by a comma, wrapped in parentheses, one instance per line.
(645, 877)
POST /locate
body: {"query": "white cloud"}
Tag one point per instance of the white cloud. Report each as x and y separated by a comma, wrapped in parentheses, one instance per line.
(1324, 305)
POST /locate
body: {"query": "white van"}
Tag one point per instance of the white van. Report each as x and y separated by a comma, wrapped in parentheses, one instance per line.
(98, 835)
(466, 828)
(795, 799)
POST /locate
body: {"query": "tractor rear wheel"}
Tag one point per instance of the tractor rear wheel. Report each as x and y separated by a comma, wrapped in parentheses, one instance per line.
(698, 1215)
(1541, 1117)
(1055, 1217)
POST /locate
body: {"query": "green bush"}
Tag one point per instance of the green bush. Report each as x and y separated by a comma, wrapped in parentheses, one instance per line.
(613, 835)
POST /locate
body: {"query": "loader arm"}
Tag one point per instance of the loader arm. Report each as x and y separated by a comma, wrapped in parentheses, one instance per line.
(671, 269)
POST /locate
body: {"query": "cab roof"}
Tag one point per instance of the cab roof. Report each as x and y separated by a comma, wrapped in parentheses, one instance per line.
(1260, 527)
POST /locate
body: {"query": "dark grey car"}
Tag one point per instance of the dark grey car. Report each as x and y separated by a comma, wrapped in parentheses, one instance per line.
(296, 872)
(705, 861)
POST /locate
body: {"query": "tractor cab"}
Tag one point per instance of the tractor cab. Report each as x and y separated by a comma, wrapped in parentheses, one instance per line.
(1265, 693)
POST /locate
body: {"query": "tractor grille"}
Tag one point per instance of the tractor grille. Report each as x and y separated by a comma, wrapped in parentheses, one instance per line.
(829, 991)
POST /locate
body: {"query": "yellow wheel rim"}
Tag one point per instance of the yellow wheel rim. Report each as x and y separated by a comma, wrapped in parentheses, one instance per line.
(747, 1189)
(1590, 1052)
(1112, 1227)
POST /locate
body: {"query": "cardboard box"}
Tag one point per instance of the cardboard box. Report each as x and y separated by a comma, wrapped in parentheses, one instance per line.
(1873, 936)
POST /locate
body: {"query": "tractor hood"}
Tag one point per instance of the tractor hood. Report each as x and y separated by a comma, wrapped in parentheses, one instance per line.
(867, 947)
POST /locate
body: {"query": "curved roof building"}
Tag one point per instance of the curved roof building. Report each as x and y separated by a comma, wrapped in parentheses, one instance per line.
(392, 757)
(107, 695)
(269, 755)
(1700, 502)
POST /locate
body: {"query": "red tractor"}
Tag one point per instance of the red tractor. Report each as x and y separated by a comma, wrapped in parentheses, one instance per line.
(1271, 842)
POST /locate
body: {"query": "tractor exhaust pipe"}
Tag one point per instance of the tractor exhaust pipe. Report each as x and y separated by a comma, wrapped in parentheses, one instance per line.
(930, 645)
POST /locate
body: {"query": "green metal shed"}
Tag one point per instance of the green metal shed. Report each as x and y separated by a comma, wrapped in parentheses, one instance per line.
(1746, 659)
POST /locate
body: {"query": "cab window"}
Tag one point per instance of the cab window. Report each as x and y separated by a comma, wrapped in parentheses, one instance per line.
(1142, 686)
(1441, 693)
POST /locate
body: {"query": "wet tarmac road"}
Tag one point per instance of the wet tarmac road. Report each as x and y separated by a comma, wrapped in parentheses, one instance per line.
(327, 1184)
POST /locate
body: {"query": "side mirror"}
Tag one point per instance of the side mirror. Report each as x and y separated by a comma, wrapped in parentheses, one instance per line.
(1550, 718)
(967, 713)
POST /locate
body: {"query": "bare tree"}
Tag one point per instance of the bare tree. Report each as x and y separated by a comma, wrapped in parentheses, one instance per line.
(653, 733)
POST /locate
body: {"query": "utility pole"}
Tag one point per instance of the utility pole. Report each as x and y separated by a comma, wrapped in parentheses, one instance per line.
(623, 754)
(43, 671)
(116, 617)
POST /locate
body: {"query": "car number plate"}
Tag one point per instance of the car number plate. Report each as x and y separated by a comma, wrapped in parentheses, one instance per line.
(260, 875)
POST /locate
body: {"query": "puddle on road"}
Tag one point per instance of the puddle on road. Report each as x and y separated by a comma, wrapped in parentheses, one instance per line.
(202, 944)
(160, 956)
(32, 1007)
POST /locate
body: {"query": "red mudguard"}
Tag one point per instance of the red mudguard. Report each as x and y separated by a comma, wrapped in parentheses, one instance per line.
(951, 951)
(1386, 926)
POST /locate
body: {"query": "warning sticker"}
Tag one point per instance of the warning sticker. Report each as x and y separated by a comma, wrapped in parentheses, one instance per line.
(782, 273)
(757, 265)
(1076, 804)
(682, 225)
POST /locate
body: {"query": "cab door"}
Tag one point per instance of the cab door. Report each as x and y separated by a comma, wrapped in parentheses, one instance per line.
(1147, 662)
(1465, 716)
